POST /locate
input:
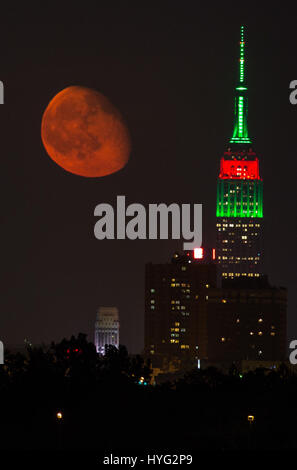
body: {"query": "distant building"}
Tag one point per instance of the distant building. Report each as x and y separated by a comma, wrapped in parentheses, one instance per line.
(107, 328)
(246, 321)
(190, 321)
(175, 309)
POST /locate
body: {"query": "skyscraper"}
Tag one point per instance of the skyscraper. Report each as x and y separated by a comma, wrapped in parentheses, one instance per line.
(176, 296)
(107, 328)
(239, 193)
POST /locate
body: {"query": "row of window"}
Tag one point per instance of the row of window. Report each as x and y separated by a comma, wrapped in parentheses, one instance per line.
(243, 258)
(238, 225)
(182, 308)
(260, 333)
(241, 274)
(182, 346)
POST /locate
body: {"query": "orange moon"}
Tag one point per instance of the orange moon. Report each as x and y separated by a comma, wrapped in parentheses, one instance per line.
(84, 133)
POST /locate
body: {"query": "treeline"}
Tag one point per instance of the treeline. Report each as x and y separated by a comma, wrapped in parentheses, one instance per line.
(104, 404)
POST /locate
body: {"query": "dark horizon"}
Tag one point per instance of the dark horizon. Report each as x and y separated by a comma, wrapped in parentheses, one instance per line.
(171, 72)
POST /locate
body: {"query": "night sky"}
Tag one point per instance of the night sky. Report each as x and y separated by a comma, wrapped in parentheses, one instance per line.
(171, 72)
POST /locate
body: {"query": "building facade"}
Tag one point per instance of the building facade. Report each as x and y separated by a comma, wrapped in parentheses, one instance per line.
(239, 211)
(247, 322)
(175, 308)
(190, 320)
(107, 328)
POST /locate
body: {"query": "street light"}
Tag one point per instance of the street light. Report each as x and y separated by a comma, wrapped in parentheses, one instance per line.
(251, 420)
(59, 416)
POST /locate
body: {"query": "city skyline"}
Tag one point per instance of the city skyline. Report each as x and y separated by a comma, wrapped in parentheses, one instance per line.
(174, 86)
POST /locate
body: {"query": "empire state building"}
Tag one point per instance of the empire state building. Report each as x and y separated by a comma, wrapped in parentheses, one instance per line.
(239, 211)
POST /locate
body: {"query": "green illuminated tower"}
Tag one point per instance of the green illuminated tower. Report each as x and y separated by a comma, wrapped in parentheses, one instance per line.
(240, 132)
(239, 192)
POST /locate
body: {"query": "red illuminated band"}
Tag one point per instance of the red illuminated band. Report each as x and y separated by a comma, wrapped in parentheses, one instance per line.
(239, 169)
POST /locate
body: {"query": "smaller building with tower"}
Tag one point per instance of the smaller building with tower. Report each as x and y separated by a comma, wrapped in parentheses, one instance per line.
(107, 328)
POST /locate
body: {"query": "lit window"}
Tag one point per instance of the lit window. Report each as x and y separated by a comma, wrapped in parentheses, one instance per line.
(198, 253)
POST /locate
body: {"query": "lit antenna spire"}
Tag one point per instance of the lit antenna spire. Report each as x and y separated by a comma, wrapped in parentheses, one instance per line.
(240, 131)
(241, 56)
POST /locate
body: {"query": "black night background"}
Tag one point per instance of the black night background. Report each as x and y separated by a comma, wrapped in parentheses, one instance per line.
(170, 69)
